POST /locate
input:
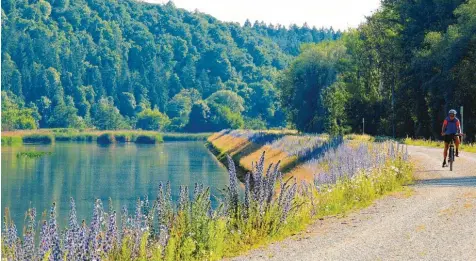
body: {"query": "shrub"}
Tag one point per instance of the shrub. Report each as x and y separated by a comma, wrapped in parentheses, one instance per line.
(38, 138)
(11, 140)
(152, 120)
(148, 139)
(106, 138)
(123, 137)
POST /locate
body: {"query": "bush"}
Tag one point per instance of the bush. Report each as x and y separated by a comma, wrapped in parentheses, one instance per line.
(38, 138)
(148, 139)
(123, 137)
(106, 138)
(11, 140)
(152, 120)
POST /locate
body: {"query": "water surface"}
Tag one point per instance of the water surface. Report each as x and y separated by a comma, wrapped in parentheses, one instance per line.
(86, 171)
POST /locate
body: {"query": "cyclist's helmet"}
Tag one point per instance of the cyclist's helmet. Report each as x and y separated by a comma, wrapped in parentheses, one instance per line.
(452, 112)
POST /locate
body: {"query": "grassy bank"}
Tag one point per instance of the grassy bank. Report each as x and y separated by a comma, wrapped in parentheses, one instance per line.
(468, 147)
(11, 140)
(45, 136)
(286, 147)
(38, 138)
(176, 136)
(272, 208)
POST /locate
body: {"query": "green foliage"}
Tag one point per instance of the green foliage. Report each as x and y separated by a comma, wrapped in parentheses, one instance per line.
(227, 98)
(107, 117)
(95, 50)
(15, 115)
(152, 120)
(179, 108)
(254, 124)
(222, 117)
(170, 136)
(304, 86)
(401, 71)
(75, 136)
(38, 138)
(198, 118)
(106, 138)
(148, 139)
(11, 140)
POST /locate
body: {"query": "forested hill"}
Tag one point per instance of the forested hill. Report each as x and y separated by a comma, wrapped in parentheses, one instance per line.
(121, 64)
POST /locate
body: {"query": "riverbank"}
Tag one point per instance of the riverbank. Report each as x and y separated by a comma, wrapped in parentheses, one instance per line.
(46, 136)
(287, 147)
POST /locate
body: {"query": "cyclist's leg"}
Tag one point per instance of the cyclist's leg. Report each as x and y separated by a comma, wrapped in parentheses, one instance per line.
(445, 152)
(457, 145)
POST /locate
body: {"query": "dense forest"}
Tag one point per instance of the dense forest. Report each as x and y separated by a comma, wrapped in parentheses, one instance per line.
(130, 64)
(127, 64)
(402, 71)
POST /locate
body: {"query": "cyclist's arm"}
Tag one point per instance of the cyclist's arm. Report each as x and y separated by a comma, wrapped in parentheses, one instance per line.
(444, 127)
(458, 127)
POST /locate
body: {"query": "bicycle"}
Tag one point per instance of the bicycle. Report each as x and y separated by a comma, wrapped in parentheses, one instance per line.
(451, 154)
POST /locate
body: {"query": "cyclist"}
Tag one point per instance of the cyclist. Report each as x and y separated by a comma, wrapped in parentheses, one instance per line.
(451, 127)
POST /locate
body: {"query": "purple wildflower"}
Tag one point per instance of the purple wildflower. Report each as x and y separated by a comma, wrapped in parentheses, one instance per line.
(29, 237)
(56, 253)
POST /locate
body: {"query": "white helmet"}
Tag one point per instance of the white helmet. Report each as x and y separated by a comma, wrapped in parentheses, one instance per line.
(452, 112)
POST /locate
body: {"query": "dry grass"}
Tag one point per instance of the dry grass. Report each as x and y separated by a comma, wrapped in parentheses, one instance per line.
(245, 152)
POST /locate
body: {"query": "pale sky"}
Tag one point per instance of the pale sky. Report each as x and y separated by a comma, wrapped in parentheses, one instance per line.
(340, 14)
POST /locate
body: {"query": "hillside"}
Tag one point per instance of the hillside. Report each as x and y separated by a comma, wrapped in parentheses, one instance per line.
(74, 63)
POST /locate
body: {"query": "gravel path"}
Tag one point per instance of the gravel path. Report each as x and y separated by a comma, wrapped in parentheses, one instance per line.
(435, 220)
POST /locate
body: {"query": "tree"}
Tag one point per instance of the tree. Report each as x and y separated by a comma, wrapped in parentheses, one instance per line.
(152, 120)
(105, 116)
(199, 118)
(139, 55)
(14, 115)
(222, 117)
(303, 84)
(226, 98)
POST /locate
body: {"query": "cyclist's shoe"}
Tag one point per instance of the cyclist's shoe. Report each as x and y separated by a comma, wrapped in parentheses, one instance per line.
(444, 164)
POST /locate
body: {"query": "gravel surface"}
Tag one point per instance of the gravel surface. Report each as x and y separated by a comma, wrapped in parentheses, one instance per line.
(434, 220)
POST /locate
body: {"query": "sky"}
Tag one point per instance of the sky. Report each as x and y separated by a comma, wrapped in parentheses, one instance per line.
(340, 14)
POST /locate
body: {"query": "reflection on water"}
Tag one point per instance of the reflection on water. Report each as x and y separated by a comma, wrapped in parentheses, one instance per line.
(86, 171)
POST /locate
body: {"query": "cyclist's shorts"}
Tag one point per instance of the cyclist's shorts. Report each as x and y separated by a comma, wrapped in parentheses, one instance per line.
(448, 137)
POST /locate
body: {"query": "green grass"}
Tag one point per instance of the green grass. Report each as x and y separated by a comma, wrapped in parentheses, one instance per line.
(174, 136)
(33, 154)
(75, 136)
(11, 141)
(468, 147)
(146, 138)
(38, 138)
